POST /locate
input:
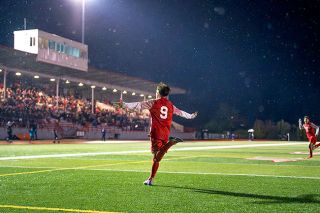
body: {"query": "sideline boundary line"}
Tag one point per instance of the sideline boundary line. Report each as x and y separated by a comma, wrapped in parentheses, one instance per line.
(36, 208)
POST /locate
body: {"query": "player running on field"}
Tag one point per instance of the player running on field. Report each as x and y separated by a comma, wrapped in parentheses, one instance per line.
(312, 131)
(161, 111)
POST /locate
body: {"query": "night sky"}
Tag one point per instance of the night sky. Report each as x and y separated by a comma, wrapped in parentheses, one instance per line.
(259, 57)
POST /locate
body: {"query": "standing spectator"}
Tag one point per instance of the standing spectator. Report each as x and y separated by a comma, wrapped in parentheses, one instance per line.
(35, 130)
(31, 135)
(251, 134)
(56, 138)
(103, 134)
(9, 131)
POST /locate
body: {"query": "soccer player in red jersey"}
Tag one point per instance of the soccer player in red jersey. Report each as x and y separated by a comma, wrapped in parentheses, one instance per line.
(161, 112)
(312, 131)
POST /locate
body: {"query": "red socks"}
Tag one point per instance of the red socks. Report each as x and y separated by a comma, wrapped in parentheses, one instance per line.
(154, 169)
(310, 150)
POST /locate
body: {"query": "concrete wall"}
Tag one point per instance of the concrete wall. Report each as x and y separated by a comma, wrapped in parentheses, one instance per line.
(94, 134)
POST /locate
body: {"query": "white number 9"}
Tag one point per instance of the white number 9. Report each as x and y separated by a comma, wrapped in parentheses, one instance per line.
(163, 112)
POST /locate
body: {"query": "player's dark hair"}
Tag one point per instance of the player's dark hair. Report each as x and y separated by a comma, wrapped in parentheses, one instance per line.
(163, 89)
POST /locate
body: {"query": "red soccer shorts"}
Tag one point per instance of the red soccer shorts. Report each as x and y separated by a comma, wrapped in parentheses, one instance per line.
(312, 139)
(156, 144)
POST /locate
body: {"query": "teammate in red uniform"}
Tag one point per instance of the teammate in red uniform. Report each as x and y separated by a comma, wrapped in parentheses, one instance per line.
(312, 131)
(161, 111)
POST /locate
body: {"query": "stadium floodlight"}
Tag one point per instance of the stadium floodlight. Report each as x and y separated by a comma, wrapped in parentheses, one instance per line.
(52, 79)
(142, 95)
(93, 86)
(67, 82)
(0, 70)
(104, 88)
(150, 96)
(36, 76)
(80, 84)
(114, 90)
(124, 92)
(133, 94)
(18, 73)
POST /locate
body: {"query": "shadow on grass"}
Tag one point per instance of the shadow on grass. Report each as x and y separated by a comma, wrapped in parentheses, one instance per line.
(307, 198)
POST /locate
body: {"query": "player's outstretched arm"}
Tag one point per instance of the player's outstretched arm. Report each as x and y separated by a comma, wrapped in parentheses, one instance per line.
(316, 128)
(137, 106)
(184, 114)
(300, 124)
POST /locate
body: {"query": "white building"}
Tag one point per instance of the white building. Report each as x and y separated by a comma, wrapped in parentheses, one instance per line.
(53, 49)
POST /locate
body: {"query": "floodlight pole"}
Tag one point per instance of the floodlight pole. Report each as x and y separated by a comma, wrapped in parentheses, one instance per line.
(83, 19)
(4, 84)
(92, 100)
(57, 93)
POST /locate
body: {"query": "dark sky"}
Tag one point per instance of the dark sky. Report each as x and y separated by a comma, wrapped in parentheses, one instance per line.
(260, 57)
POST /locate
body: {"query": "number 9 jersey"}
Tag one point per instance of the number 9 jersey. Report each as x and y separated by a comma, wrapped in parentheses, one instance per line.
(161, 113)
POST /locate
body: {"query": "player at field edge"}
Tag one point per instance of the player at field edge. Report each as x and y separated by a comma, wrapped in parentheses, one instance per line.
(312, 131)
(161, 112)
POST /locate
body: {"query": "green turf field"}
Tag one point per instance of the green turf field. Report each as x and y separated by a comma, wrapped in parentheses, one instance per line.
(193, 177)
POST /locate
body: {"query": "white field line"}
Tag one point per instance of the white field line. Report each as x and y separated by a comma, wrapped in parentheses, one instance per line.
(236, 146)
(145, 151)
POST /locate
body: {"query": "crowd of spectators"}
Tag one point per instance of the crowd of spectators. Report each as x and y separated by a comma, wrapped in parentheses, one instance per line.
(25, 106)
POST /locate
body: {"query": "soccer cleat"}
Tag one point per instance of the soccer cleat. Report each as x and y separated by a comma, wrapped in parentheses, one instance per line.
(148, 182)
(175, 139)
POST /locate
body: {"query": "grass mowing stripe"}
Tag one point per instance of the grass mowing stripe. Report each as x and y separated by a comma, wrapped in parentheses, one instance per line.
(51, 209)
(166, 172)
(71, 155)
(212, 173)
(27, 173)
(147, 151)
(29, 167)
(80, 167)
